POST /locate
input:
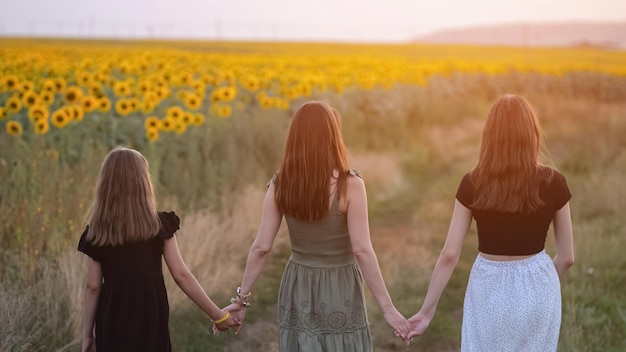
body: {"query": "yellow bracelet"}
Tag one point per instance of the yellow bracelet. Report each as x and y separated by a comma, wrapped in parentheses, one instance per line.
(222, 319)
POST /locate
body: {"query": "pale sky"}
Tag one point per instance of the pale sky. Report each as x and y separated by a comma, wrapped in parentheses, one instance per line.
(327, 20)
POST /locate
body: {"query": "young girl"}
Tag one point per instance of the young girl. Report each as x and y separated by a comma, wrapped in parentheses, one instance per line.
(513, 297)
(125, 295)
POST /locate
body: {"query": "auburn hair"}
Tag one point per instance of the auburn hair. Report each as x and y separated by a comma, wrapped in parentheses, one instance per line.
(313, 151)
(508, 174)
(124, 206)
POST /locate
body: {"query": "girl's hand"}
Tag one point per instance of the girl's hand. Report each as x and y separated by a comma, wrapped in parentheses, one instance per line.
(228, 323)
(419, 324)
(235, 319)
(398, 323)
(89, 344)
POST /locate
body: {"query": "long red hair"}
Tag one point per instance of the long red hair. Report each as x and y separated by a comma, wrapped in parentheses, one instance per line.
(507, 176)
(313, 150)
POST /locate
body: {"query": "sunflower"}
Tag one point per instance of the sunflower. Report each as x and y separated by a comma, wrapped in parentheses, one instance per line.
(77, 112)
(227, 93)
(224, 111)
(41, 127)
(186, 78)
(175, 112)
(152, 134)
(134, 104)
(163, 92)
(121, 89)
(72, 95)
(167, 124)
(3, 113)
(145, 86)
(192, 101)
(60, 118)
(48, 85)
(266, 103)
(152, 122)
(84, 78)
(187, 118)
(208, 79)
(14, 128)
(198, 119)
(13, 104)
(60, 84)
(96, 90)
(47, 97)
(26, 86)
(251, 83)
(147, 106)
(180, 127)
(215, 97)
(30, 98)
(104, 104)
(88, 103)
(11, 82)
(38, 112)
(123, 107)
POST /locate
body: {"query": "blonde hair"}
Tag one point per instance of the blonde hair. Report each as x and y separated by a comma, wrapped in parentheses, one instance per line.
(507, 176)
(314, 148)
(124, 206)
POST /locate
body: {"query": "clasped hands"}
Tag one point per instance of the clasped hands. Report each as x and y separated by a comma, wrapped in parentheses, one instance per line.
(237, 314)
(406, 329)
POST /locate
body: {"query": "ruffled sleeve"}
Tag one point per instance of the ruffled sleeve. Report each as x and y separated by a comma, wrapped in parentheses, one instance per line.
(84, 246)
(465, 192)
(170, 223)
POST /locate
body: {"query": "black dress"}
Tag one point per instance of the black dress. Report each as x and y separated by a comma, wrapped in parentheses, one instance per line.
(133, 311)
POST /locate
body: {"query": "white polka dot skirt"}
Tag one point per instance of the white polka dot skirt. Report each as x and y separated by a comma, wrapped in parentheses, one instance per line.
(512, 306)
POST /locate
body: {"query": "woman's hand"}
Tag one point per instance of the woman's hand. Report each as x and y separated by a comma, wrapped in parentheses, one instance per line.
(237, 315)
(419, 324)
(398, 323)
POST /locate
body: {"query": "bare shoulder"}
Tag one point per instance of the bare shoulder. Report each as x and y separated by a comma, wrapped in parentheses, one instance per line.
(354, 183)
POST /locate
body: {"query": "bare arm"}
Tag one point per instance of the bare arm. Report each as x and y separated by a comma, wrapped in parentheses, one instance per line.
(448, 258)
(263, 242)
(188, 283)
(358, 229)
(260, 250)
(90, 303)
(564, 240)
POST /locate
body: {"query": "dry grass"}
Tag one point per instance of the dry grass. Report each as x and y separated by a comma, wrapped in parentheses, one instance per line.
(215, 245)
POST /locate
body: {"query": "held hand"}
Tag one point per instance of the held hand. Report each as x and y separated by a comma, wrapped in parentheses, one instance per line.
(237, 313)
(398, 323)
(225, 325)
(419, 324)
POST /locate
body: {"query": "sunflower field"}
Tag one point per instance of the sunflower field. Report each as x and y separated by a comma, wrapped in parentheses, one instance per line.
(211, 118)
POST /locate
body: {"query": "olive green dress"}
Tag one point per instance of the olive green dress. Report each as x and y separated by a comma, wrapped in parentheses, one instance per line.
(321, 306)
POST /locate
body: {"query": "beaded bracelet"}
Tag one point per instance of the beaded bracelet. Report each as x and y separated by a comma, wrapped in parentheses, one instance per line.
(242, 295)
(241, 299)
(223, 319)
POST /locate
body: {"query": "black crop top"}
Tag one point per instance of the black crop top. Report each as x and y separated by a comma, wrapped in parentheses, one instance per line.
(505, 233)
